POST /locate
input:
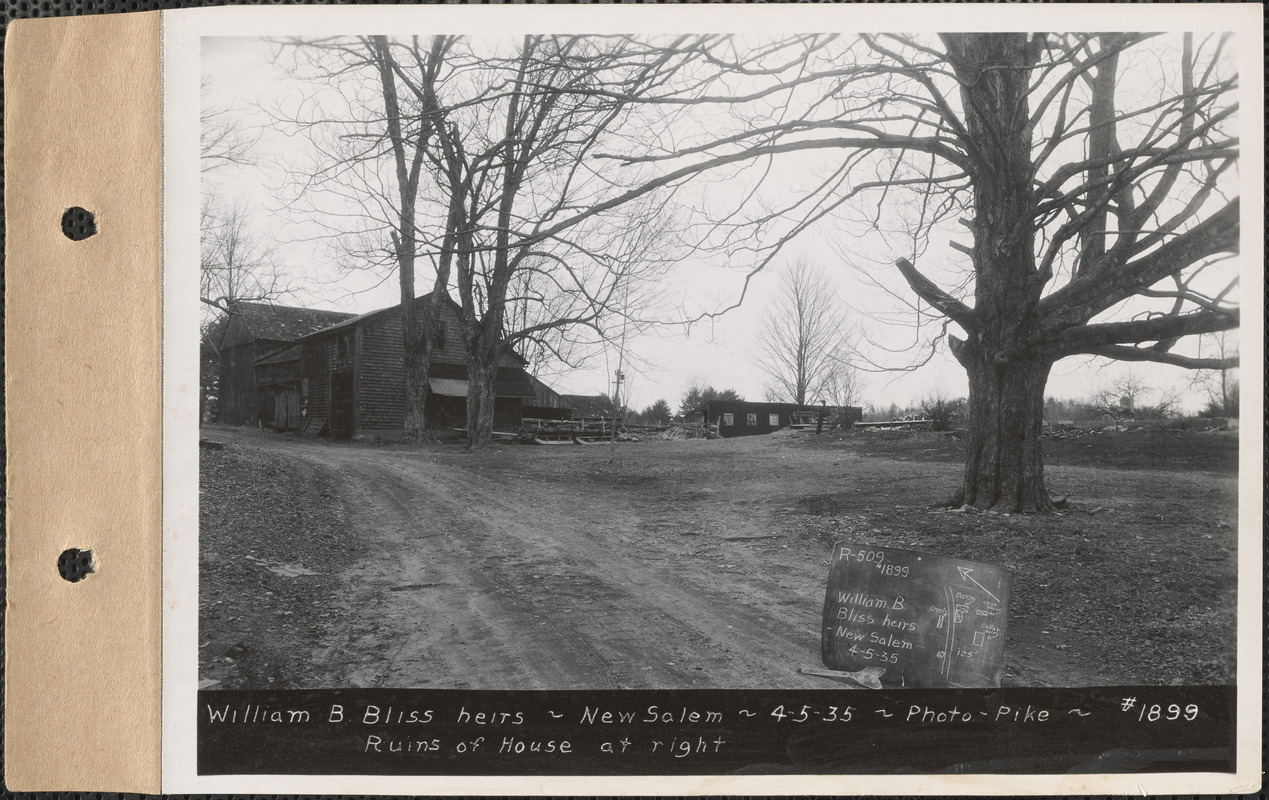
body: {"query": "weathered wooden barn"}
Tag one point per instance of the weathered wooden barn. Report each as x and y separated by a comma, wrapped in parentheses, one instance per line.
(260, 332)
(354, 377)
(546, 403)
(546, 397)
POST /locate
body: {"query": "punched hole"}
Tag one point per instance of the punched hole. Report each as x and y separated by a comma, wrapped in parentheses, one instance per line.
(78, 224)
(74, 565)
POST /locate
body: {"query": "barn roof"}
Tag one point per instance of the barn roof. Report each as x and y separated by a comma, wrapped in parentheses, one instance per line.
(284, 323)
(744, 406)
(590, 405)
(349, 320)
(352, 321)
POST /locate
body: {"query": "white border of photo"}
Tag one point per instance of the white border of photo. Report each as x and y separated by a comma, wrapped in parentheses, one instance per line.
(181, 35)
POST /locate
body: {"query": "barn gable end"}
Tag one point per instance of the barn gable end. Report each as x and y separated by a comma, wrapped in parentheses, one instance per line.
(370, 346)
(257, 331)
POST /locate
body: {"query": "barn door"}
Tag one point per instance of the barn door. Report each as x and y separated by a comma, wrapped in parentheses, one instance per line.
(341, 404)
(292, 411)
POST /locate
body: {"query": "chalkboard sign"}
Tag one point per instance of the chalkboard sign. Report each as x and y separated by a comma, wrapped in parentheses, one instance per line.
(926, 619)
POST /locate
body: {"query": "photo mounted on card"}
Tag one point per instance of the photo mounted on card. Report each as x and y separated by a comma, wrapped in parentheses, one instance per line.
(591, 400)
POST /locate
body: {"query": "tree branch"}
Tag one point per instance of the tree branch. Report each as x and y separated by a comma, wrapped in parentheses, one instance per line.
(1124, 353)
(1087, 338)
(925, 289)
(1085, 297)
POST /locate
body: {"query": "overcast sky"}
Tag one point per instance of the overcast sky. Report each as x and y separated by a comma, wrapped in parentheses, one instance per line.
(241, 81)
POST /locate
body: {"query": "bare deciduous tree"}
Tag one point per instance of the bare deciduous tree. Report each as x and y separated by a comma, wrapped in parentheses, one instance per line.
(1094, 173)
(1219, 386)
(236, 264)
(491, 183)
(1125, 398)
(802, 344)
(221, 138)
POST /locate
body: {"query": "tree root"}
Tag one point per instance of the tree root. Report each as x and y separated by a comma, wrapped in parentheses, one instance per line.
(957, 503)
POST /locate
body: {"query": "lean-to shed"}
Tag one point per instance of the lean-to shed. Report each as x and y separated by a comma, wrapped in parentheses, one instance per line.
(741, 418)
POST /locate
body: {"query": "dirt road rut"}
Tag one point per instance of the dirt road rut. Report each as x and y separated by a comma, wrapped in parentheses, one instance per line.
(554, 586)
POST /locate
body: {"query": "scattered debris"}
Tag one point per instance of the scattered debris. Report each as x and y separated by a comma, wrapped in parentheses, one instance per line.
(903, 424)
(314, 426)
(579, 431)
(682, 430)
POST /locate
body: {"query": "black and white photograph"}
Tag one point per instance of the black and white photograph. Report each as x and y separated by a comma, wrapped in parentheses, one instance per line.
(831, 363)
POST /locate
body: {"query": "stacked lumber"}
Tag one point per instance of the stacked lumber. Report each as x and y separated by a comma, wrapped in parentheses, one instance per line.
(586, 431)
(566, 431)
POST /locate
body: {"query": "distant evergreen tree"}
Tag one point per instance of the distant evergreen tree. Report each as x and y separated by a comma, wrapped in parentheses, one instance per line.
(658, 413)
(697, 396)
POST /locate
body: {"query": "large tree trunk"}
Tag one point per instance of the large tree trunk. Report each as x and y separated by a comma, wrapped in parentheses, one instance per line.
(416, 352)
(482, 381)
(417, 363)
(1006, 364)
(1004, 465)
(416, 337)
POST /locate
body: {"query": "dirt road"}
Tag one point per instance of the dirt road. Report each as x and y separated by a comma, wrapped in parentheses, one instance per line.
(702, 564)
(553, 586)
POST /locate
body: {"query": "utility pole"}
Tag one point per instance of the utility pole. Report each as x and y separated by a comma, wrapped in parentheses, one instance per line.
(621, 362)
(616, 400)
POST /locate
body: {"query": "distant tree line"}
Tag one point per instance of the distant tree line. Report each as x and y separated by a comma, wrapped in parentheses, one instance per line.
(1127, 397)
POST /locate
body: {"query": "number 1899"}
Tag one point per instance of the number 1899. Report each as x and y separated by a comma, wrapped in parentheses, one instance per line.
(1156, 712)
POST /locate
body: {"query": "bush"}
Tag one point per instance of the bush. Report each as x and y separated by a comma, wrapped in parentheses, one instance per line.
(944, 413)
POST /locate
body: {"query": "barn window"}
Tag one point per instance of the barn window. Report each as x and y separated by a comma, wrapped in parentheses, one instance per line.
(729, 419)
(751, 420)
(438, 338)
(773, 420)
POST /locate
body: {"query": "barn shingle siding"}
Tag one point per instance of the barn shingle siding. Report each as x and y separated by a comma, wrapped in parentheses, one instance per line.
(381, 401)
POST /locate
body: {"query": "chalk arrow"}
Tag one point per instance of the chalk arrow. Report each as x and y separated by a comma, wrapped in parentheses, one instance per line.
(965, 576)
(1077, 711)
(554, 715)
(748, 713)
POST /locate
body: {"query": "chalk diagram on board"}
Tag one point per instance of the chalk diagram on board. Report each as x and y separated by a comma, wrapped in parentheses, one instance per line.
(958, 608)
